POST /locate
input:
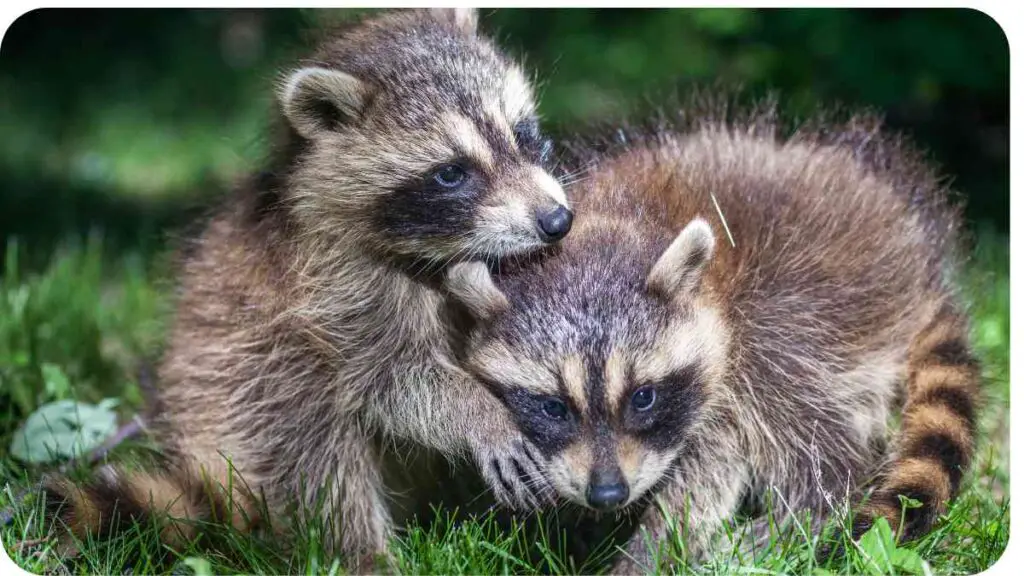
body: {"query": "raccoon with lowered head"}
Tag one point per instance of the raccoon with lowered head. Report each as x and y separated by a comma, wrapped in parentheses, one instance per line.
(309, 333)
(666, 354)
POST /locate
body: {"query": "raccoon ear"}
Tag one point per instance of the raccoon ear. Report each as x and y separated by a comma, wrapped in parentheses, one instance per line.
(317, 99)
(464, 19)
(470, 283)
(679, 269)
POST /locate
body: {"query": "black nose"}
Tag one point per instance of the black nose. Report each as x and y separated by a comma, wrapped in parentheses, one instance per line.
(607, 496)
(555, 224)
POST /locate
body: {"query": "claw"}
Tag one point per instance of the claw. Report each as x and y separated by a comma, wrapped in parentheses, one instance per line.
(514, 476)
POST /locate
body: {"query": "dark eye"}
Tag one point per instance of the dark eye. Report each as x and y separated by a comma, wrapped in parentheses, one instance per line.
(643, 399)
(555, 408)
(450, 176)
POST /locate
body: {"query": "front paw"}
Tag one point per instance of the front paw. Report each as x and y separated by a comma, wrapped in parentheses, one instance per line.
(515, 473)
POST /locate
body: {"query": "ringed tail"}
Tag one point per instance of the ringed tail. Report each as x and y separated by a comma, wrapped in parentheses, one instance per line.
(114, 498)
(938, 430)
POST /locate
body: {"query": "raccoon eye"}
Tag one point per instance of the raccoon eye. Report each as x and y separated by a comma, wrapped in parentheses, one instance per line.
(450, 176)
(555, 408)
(643, 399)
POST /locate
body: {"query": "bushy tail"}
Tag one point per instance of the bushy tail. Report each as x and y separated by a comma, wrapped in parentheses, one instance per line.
(178, 500)
(937, 436)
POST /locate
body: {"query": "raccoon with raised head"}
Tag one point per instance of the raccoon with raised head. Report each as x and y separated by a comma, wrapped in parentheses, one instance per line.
(737, 312)
(309, 335)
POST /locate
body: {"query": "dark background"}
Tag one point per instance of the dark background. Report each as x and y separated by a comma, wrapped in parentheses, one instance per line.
(122, 119)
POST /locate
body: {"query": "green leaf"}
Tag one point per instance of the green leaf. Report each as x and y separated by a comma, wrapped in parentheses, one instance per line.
(199, 566)
(908, 561)
(63, 429)
(878, 544)
(909, 503)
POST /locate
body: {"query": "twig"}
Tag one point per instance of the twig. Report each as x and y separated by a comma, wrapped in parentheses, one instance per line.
(722, 218)
(130, 430)
(133, 428)
(21, 546)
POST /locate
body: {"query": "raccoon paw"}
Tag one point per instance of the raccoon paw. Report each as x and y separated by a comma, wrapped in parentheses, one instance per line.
(515, 475)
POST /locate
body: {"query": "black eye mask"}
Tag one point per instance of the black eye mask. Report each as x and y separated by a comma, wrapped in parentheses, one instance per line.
(440, 204)
(676, 397)
(547, 421)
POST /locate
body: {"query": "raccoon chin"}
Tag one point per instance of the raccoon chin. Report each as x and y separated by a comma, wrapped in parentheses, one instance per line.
(495, 249)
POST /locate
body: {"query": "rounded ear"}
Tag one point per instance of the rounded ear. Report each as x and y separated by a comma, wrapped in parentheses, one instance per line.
(679, 269)
(470, 283)
(317, 99)
(463, 19)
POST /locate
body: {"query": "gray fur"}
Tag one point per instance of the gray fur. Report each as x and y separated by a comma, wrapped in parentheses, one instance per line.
(308, 342)
(803, 337)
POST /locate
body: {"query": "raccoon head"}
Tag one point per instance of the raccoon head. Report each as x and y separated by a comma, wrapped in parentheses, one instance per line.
(605, 364)
(421, 139)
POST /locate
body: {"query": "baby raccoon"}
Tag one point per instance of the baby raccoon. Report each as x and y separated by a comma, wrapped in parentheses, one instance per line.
(669, 354)
(418, 140)
(310, 336)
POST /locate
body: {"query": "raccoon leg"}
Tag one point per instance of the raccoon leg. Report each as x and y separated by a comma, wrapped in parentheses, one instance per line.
(705, 490)
(446, 411)
(356, 518)
(937, 433)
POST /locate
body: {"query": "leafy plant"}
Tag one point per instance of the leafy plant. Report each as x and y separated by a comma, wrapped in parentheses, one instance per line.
(64, 429)
(881, 555)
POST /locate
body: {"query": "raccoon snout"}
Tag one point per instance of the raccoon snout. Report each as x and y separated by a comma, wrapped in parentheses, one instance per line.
(553, 225)
(607, 492)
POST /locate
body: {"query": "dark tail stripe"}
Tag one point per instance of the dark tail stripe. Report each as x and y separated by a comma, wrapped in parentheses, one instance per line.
(957, 399)
(916, 521)
(951, 352)
(944, 373)
(943, 448)
(207, 502)
(117, 510)
(105, 506)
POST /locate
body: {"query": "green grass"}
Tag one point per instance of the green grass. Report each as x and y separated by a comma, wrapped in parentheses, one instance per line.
(77, 326)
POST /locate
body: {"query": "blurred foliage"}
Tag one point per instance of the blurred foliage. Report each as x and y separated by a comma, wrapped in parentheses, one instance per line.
(125, 119)
(75, 328)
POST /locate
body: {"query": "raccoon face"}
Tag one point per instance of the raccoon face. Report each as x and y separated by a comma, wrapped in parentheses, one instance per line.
(607, 368)
(422, 140)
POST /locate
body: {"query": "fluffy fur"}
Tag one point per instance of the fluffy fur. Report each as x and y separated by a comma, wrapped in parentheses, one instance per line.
(668, 354)
(310, 338)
